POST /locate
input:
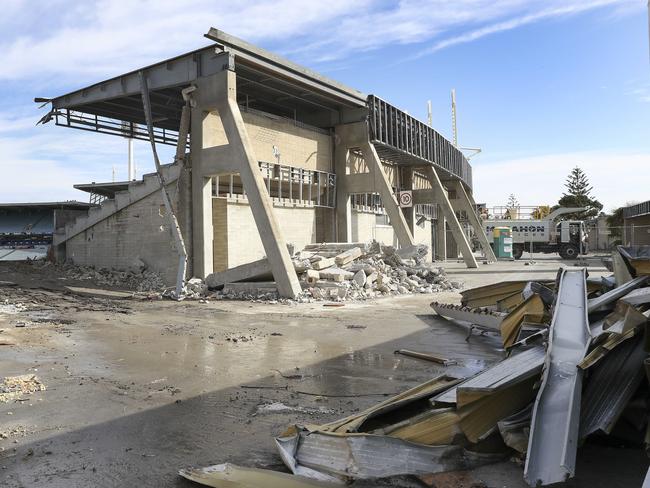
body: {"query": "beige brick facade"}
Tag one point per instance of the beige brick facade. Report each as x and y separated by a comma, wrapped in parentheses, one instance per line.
(298, 146)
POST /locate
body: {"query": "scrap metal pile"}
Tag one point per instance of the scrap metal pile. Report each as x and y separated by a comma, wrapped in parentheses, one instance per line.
(575, 366)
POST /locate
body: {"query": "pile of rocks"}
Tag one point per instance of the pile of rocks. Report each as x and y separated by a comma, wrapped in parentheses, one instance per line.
(352, 271)
(340, 271)
(137, 278)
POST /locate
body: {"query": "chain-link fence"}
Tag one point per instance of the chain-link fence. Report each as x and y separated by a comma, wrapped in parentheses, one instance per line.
(603, 239)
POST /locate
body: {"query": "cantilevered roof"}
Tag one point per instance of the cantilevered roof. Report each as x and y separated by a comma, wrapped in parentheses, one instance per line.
(66, 205)
(105, 189)
(264, 80)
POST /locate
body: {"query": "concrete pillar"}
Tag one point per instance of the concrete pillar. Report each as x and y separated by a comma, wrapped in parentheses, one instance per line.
(385, 189)
(216, 101)
(441, 236)
(465, 202)
(343, 202)
(202, 232)
(406, 183)
(260, 203)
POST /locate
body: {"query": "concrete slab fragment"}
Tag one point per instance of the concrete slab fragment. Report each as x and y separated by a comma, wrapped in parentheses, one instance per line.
(257, 270)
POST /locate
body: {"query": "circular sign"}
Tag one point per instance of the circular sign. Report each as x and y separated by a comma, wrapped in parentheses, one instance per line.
(405, 199)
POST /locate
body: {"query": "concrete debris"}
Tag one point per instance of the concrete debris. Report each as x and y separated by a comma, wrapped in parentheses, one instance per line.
(257, 270)
(14, 387)
(17, 431)
(137, 278)
(348, 256)
(323, 263)
(328, 271)
(279, 407)
(340, 272)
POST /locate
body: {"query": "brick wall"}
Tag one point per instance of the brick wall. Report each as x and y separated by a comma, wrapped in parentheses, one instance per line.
(298, 146)
(365, 228)
(298, 226)
(220, 228)
(139, 232)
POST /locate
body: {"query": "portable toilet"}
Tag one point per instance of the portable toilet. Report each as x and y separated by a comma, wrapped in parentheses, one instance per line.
(502, 242)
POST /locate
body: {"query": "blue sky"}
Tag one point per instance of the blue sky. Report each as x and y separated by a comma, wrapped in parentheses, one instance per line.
(542, 85)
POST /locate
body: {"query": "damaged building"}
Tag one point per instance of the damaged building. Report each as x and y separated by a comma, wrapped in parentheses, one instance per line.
(268, 153)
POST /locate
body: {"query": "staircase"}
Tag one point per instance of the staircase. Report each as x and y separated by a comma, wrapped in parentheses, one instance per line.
(137, 191)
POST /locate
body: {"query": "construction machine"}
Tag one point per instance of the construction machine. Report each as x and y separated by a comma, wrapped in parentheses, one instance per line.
(568, 238)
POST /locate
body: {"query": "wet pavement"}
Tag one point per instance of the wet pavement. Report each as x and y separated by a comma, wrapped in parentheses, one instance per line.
(139, 389)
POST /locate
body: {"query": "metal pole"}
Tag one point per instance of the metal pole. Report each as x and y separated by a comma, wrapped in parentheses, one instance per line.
(131, 169)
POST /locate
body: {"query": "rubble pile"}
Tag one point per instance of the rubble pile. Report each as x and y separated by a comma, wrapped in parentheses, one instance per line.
(576, 367)
(14, 387)
(354, 271)
(137, 278)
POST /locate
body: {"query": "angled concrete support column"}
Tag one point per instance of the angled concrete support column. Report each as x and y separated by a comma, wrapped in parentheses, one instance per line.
(385, 189)
(220, 144)
(465, 202)
(260, 203)
(439, 195)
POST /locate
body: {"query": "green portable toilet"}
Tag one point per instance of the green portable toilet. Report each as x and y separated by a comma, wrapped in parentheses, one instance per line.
(502, 242)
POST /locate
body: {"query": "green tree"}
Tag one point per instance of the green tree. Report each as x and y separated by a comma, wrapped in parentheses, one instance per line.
(578, 194)
(512, 207)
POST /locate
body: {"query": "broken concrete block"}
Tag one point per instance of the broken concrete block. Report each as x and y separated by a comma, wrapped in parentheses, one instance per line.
(359, 278)
(330, 284)
(412, 252)
(348, 256)
(312, 276)
(323, 263)
(257, 270)
(371, 279)
(301, 265)
(411, 283)
(336, 274)
(383, 279)
(367, 268)
(318, 293)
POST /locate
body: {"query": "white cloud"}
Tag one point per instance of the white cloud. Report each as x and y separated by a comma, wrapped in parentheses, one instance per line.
(616, 177)
(513, 23)
(43, 165)
(640, 90)
(92, 39)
